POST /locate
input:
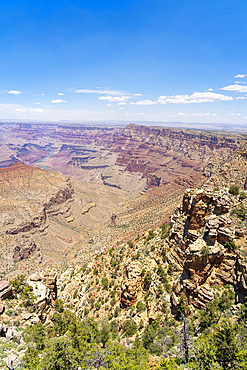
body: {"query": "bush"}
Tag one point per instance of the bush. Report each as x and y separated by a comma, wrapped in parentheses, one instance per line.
(129, 327)
(24, 290)
(105, 283)
(140, 307)
(240, 211)
(147, 280)
(231, 246)
(182, 308)
(234, 190)
(167, 364)
(130, 244)
(160, 290)
(242, 195)
(59, 305)
(170, 269)
(165, 230)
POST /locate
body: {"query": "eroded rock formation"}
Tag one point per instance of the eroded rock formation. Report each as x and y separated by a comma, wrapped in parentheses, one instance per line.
(206, 242)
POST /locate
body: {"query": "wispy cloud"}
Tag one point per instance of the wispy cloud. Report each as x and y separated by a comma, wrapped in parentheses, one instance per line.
(144, 102)
(115, 98)
(137, 94)
(100, 91)
(57, 101)
(241, 76)
(238, 88)
(37, 110)
(121, 103)
(196, 97)
(241, 97)
(240, 82)
(14, 92)
(181, 114)
(60, 94)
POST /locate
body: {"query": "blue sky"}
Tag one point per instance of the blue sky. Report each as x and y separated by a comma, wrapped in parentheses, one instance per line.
(160, 60)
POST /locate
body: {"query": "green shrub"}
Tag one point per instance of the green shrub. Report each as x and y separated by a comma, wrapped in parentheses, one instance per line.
(170, 269)
(242, 195)
(140, 307)
(160, 290)
(147, 280)
(129, 327)
(105, 283)
(59, 305)
(240, 211)
(234, 189)
(97, 306)
(231, 246)
(130, 244)
(116, 311)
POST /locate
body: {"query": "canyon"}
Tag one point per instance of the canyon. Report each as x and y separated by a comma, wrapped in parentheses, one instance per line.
(70, 191)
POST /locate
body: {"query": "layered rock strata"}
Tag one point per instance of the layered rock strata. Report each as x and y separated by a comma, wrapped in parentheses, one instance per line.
(207, 240)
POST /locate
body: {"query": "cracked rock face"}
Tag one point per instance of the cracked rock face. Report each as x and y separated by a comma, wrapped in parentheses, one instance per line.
(44, 286)
(132, 285)
(202, 230)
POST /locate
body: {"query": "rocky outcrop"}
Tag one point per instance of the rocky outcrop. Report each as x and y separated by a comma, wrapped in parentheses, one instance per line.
(206, 242)
(132, 285)
(44, 286)
(6, 290)
(23, 247)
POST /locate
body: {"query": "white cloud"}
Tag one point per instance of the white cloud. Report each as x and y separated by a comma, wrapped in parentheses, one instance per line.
(114, 98)
(121, 108)
(60, 94)
(20, 110)
(241, 97)
(56, 101)
(210, 89)
(137, 94)
(241, 76)
(180, 114)
(42, 94)
(234, 114)
(109, 105)
(37, 110)
(240, 82)
(37, 103)
(100, 91)
(238, 88)
(196, 97)
(14, 92)
(140, 114)
(144, 102)
(121, 103)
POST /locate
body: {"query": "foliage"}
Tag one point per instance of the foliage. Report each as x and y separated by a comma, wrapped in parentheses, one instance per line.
(166, 364)
(165, 230)
(59, 305)
(231, 246)
(147, 280)
(182, 308)
(234, 189)
(105, 283)
(24, 290)
(140, 307)
(149, 334)
(129, 327)
(240, 211)
(242, 195)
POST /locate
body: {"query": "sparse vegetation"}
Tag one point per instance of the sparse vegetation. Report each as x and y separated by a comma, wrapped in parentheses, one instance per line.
(234, 189)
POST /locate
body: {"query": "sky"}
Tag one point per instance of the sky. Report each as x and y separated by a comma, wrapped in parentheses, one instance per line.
(99, 60)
